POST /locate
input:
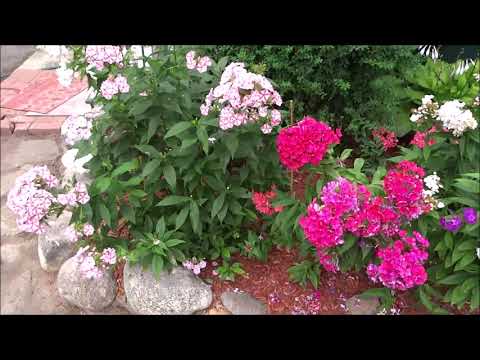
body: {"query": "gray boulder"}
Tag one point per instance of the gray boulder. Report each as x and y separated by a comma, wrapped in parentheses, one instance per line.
(358, 306)
(178, 292)
(53, 247)
(239, 303)
(87, 294)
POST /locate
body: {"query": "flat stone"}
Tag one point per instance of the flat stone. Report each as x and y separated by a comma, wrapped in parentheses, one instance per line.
(179, 292)
(53, 247)
(358, 306)
(15, 292)
(87, 294)
(242, 304)
(35, 151)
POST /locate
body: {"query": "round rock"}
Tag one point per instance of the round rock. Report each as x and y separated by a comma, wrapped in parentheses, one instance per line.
(240, 303)
(358, 306)
(53, 247)
(176, 292)
(87, 294)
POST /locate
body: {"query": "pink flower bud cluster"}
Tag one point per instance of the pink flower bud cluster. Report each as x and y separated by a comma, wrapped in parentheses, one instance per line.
(76, 128)
(93, 264)
(198, 63)
(262, 202)
(100, 55)
(111, 87)
(243, 98)
(305, 143)
(387, 138)
(422, 139)
(30, 199)
(77, 195)
(194, 265)
(401, 263)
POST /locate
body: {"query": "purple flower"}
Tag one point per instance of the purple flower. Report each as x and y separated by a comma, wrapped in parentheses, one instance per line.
(470, 215)
(451, 224)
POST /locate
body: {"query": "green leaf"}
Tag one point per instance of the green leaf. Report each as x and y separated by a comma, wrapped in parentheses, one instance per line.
(209, 122)
(358, 164)
(223, 212)
(104, 213)
(151, 166)
(153, 125)
(170, 176)
(173, 200)
(467, 185)
(217, 204)
(425, 299)
(466, 260)
(195, 217)
(160, 227)
(426, 152)
(140, 107)
(461, 200)
(379, 174)
(178, 128)
(173, 242)
(126, 166)
(203, 137)
(377, 292)
(232, 143)
(103, 183)
(475, 300)
(157, 264)
(128, 213)
(134, 181)
(345, 154)
(187, 143)
(448, 240)
(458, 295)
(350, 240)
(149, 150)
(137, 193)
(182, 216)
(454, 279)
(468, 245)
(284, 202)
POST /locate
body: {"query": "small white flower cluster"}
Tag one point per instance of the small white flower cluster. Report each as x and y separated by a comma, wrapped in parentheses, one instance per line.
(478, 253)
(476, 102)
(454, 117)
(393, 311)
(432, 182)
(429, 50)
(428, 108)
(76, 128)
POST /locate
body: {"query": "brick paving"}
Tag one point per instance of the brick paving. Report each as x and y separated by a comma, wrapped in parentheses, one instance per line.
(33, 102)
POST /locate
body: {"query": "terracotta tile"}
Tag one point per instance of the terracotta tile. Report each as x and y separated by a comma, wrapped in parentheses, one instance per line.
(19, 79)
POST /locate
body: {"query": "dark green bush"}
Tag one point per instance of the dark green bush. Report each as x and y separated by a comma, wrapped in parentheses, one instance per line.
(355, 87)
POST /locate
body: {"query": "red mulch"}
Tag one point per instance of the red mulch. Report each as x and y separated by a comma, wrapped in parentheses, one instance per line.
(269, 283)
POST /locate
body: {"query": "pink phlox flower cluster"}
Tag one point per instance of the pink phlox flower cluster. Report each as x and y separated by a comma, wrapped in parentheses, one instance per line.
(111, 87)
(244, 97)
(77, 195)
(92, 264)
(327, 261)
(76, 128)
(30, 200)
(401, 263)
(305, 143)
(404, 188)
(100, 55)
(194, 265)
(262, 202)
(88, 229)
(386, 137)
(422, 139)
(109, 256)
(72, 234)
(198, 63)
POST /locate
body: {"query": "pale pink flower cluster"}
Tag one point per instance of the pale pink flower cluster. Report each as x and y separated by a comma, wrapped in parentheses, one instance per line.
(99, 55)
(194, 265)
(111, 87)
(76, 128)
(93, 264)
(30, 199)
(201, 64)
(77, 195)
(243, 98)
(73, 235)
